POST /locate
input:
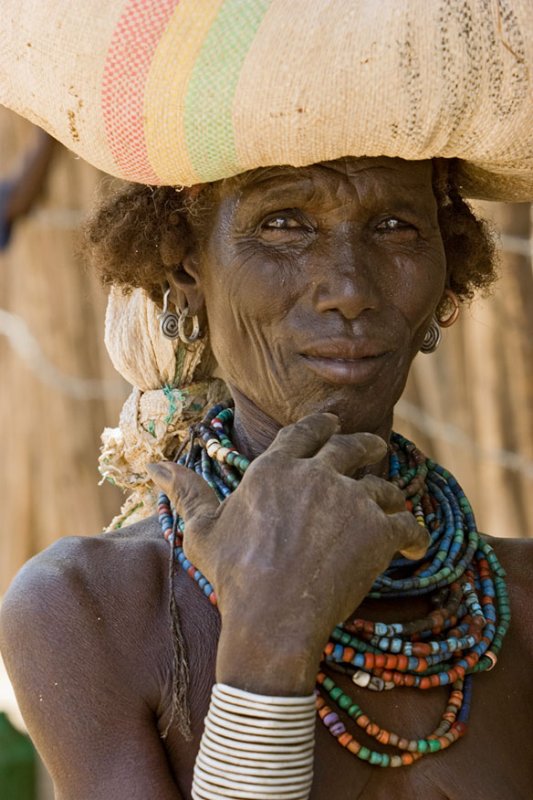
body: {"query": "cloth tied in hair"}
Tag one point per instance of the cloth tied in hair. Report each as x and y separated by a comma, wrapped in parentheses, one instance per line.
(172, 389)
(180, 92)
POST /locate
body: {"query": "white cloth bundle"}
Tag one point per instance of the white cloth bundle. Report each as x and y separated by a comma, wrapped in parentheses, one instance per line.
(172, 389)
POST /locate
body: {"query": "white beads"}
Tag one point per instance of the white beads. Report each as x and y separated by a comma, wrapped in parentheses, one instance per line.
(366, 681)
(361, 678)
(255, 747)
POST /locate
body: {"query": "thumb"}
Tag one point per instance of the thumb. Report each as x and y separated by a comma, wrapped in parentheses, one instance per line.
(188, 492)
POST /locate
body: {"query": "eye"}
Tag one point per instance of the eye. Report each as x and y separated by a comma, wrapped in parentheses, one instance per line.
(394, 225)
(281, 222)
(284, 227)
(396, 230)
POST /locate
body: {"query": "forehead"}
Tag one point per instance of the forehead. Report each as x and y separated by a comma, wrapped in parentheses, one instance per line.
(347, 176)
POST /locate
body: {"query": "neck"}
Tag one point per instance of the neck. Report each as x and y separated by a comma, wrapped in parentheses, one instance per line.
(254, 431)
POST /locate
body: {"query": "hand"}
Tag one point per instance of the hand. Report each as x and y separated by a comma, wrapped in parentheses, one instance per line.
(295, 549)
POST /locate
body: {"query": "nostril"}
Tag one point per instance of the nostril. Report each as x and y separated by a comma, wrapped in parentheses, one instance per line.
(349, 295)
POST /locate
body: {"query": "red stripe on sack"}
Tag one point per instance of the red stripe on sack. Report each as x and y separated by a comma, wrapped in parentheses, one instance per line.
(126, 69)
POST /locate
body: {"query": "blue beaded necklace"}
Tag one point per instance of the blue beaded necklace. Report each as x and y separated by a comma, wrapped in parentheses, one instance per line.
(460, 637)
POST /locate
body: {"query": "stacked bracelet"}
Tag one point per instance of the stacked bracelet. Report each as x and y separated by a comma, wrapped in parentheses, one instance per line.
(255, 747)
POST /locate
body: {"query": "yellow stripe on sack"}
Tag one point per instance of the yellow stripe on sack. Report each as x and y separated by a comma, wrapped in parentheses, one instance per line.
(176, 55)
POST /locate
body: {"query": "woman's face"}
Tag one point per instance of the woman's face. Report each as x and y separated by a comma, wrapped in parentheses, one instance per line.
(319, 284)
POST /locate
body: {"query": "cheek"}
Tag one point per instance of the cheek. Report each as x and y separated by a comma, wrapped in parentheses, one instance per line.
(419, 289)
(249, 287)
(246, 304)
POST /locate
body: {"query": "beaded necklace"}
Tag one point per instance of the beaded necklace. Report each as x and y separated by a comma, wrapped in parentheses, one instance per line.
(461, 636)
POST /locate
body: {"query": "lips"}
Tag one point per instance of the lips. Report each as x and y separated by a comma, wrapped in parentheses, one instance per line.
(343, 361)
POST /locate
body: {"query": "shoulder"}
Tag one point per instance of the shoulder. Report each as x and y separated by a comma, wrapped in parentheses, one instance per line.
(79, 570)
(516, 558)
(105, 594)
(85, 635)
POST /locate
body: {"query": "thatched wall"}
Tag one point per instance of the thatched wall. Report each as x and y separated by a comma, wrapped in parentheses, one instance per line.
(470, 404)
(49, 423)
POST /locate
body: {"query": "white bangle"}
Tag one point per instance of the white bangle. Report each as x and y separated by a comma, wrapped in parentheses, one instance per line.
(250, 698)
(267, 712)
(266, 769)
(255, 747)
(255, 757)
(254, 722)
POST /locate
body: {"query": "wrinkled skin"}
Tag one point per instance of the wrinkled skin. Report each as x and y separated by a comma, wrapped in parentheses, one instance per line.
(317, 285)
(349, 251)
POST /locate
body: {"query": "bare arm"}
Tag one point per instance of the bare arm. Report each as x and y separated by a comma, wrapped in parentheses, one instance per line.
(75, 669)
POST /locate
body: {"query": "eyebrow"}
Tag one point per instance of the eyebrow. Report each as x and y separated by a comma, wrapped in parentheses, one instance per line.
(286, 186)
(275, 189)
(270, 179)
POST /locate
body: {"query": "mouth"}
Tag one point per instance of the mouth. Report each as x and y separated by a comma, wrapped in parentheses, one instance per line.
(346, 362)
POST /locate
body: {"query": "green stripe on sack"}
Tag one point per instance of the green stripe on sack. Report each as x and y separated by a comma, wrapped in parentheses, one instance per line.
(209, 102)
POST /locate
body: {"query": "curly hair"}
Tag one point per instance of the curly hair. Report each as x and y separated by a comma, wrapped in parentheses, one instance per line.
(142, 230)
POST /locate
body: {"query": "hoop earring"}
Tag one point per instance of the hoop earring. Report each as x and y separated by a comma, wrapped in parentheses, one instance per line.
(432, 337)
(168, 320)
(188, 338)
(453, 300)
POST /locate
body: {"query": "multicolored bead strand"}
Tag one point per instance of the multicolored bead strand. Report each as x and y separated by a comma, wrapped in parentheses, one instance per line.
(461, 636)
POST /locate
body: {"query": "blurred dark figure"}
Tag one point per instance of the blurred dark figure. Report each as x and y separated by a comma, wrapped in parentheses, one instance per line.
(19, 190)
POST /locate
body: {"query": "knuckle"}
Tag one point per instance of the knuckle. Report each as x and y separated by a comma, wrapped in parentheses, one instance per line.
(348, 444)
(384, 492)
(370, 482)
(408, 522)
(309, 426)
(396, 498)
(370, 442)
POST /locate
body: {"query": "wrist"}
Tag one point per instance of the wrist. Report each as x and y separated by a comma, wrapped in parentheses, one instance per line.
(278, 664)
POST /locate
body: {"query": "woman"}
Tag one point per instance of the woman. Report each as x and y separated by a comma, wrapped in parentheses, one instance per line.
(317, 285)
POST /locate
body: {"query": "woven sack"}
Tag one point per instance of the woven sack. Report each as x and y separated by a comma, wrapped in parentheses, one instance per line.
(188, 91)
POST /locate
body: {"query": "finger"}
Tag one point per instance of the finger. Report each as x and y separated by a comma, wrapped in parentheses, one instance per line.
(349, 452)
(413, 539)
(304, 438)
(188, 492)
(388, 497)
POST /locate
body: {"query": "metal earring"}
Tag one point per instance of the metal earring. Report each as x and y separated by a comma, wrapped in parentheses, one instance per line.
(432, 337)
(169, 322)
(451, 300)
(188, 338)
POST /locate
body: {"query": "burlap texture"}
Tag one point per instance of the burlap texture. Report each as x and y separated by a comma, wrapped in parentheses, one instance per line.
(184, 92)
(172, 389)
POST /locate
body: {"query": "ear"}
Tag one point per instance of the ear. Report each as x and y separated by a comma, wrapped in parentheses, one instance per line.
(185, 285)
(177, 251)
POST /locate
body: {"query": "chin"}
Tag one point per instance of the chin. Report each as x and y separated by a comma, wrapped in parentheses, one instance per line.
(356, 415)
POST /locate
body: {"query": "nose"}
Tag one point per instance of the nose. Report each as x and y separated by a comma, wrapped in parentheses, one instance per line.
(347, 286)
